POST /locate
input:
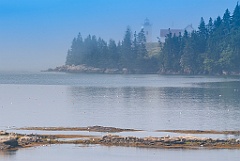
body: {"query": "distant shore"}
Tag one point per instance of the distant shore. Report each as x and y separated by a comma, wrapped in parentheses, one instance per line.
(11, 141)
(85, 69)
(88, 69)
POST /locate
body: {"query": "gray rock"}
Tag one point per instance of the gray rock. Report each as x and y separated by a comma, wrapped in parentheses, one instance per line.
(12, 143)
(8, 141)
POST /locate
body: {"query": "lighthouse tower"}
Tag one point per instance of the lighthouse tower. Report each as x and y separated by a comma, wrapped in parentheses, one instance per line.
(148, 30)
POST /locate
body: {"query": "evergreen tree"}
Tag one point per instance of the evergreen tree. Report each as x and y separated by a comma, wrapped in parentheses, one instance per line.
(226, 22)
(191, 59)
(210, 26)
(202, 36)
(202, 30)
(217, 23)
(113, 54)
(141, 44)
(135, 45)
(236, 18)
(170, 54)
(74, 56)
(226, 59)
(127, 59)
(188, 58)
(235, 41)
(212, 49)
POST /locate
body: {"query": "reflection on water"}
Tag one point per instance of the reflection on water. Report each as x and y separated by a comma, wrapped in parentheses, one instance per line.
(5, 155)
(152, 108)
(147, 102)
(96, 153)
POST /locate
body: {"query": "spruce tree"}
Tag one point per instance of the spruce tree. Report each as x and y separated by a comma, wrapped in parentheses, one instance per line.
(126, 50)
(236, 17)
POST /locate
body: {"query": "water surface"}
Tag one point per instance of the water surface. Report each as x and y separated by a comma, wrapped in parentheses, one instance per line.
(145, 102)
(96, 153)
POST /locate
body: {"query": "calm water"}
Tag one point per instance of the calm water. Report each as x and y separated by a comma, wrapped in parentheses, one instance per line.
(146, 102)
(96, 153)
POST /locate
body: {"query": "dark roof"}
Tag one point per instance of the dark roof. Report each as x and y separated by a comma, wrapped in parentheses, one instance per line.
(164, 32)
(146, 22)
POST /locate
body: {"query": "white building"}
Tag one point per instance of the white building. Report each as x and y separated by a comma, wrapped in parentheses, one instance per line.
(147, 26)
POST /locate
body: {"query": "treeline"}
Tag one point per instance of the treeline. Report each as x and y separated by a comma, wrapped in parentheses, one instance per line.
(130, 54)
(213, 49)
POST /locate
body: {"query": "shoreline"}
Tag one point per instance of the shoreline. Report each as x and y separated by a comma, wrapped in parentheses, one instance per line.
(14, 141)
(230, 132)
(88, 69)
(88, 128)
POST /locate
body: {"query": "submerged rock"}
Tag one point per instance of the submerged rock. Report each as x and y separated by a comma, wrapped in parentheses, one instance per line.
(8, 141)
(12, 143)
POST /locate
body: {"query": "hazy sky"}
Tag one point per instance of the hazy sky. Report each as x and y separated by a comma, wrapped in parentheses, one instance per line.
(36, 34)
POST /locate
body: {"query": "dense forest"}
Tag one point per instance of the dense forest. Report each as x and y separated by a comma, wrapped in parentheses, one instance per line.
(212, 49)
(130, 54)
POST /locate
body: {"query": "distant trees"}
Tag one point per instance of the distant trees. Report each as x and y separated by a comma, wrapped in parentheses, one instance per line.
(130, 54)
(213, 49)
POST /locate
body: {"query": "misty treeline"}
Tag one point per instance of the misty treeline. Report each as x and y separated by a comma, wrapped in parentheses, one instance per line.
(130, 54)
(213, 49)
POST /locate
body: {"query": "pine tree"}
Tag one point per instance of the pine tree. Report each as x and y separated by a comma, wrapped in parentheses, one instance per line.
(202, 29)
(126, 50)
(74, 56)
(236, 18)
(217, 23)
(202, 36)
(141, 43)
(210, 26)
(113, 54)
(226, 22)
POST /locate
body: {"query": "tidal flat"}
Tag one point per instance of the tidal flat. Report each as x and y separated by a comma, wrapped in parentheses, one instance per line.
(111, 136)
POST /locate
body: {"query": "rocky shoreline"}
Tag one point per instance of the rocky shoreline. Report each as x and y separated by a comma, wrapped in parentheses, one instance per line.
(184, 142)
(86, 69)
(11, 141)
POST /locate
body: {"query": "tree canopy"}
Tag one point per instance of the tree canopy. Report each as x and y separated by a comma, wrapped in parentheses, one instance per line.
(214, 48)
(130, 54)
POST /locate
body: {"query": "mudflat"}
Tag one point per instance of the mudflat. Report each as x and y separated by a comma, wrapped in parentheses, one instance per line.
(9, 141)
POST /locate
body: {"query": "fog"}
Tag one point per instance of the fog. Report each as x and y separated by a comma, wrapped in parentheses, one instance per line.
(35, 35)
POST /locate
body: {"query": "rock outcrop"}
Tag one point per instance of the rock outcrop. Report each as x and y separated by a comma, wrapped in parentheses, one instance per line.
(12, 140)
(84, 69)
(7, 141)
